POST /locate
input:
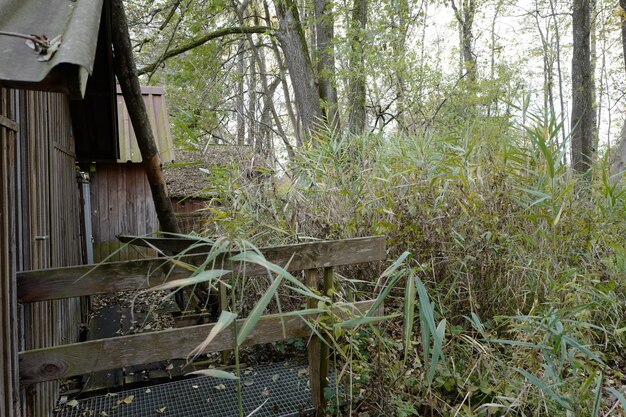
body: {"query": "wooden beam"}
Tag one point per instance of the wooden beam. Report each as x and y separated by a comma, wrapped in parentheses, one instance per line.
(8, 123)
(57, 283)
(83, 358)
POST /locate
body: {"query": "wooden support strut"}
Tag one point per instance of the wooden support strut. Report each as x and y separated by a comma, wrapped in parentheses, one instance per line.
(126, 71)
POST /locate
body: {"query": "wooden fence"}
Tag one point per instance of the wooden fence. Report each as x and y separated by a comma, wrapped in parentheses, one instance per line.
(47, 364)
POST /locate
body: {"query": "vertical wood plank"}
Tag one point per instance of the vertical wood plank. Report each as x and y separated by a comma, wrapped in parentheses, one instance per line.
(9, 392)
(311, 280)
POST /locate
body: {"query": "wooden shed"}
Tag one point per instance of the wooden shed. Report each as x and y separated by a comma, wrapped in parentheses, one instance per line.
(190, 188)
(120, 196)
(47, 95)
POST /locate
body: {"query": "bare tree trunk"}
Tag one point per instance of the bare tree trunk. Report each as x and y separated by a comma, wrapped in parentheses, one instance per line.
(618, 160)
(594, 60)
(582, 104)
(126, 71)
(548, 103)
(241, 74)
(267, 96)
(357, 96)
(325, 34)
(400, 68)
(492, 66)
(558, 65)
(252, 97)
(465, 17)
(283, 76)
(292, 38)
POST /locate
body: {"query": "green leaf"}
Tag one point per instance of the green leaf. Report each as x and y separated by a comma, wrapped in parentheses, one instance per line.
(387, 289)
(357, 321)
(437, 354)
(597, 401)
(546, 389)
(226, 318)
(516, 343)
(583, 349)
(619, 396)
(198, 278)
(259, 259)
(257, 311)
(409, 314)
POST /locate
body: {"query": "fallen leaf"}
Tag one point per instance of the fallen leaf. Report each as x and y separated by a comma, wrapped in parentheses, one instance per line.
(247, 382)
(195, 387)
(104, 413)
(161, 410)
(148, 391)
(265, 392)
(275, 377)
(72, 403)
(220, 387)
(129, 399)
(169, 367)
(216, 373)
(303, 371)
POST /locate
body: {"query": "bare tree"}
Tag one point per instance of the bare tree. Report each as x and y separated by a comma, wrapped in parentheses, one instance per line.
(325, 34)
(357, 97)
(292, 39)
(465, 18)
(582, 102)
(618, 161)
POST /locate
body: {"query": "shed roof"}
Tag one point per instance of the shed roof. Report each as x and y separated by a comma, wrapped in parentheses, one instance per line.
(71, 30)
(156, 107)
(186, 179)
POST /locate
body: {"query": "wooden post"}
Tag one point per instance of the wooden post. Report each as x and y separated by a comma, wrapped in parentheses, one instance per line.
(310, 279)
(126, 71)
(324, 349)
(223, 306)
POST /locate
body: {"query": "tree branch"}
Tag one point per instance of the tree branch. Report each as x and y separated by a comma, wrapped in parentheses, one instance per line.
(194, 43)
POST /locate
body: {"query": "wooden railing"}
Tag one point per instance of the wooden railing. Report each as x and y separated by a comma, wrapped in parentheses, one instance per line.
(123, 351)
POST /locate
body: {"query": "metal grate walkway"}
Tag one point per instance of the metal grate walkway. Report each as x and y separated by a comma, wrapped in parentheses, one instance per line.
(280, 389)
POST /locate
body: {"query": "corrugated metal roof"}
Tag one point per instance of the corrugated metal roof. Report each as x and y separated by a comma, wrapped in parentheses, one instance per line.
(71, 28)
(159, 120)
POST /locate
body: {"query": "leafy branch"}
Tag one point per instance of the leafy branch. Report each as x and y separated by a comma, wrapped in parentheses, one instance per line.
(201, 40)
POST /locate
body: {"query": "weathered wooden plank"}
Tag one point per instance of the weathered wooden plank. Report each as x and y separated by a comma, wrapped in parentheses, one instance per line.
(313, 349)
(117, 352)
(327, 288)
(8, 123)
(9, 388)
(49, 284)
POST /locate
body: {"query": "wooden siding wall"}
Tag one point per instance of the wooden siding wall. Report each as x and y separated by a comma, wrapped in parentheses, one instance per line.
(191, 213)
(44, 232)
(156, 107)
(121, 202)
(9, 384)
